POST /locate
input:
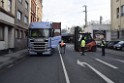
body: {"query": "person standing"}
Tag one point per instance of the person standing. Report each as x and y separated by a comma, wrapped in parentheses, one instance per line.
(103, 43)
(62, 46)
(83, 44)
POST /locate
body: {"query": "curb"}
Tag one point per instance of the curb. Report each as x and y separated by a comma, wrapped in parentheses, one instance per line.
(12, 60)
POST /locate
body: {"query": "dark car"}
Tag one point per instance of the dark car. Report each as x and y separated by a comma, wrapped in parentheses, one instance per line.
(111, 44)
(119, 45)
(107, 42)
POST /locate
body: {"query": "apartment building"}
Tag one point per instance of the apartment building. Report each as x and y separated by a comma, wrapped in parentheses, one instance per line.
(117, 19)
(36, 10)
(22, 9)
(7, 11)
(39, 10)
(33, 11)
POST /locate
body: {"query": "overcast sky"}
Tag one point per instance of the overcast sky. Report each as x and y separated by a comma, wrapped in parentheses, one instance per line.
(70, 12)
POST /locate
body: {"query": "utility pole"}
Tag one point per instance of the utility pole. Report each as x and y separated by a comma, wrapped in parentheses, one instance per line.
(85, 11)
(2, 3)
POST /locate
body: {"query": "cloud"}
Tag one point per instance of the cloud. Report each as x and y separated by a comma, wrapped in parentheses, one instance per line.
(70, 12)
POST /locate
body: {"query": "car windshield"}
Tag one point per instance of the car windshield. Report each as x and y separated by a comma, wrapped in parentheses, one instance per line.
(39, 33)
(121, 42)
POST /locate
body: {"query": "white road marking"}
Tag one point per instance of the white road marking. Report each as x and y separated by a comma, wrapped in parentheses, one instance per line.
(96, 71)
(64, 68)
(10, 66)
(70, 46)
(122, 61)
(112, 66)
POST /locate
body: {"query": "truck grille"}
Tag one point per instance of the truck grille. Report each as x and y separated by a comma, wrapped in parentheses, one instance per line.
(39, 46)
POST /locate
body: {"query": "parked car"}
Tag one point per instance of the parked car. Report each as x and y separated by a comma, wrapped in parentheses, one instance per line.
(111, 44)
(99, 43)
(107, 42)
(119, 45)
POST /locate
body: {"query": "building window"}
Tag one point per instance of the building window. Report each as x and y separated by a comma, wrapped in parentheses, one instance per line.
(9, 5)
(25, 34)
(26, 19)
(17, 33)
(26, 5)
(122, 10)
(20, 1)
(19, 15)
(117, 10)
(1, 34)
(21, 34)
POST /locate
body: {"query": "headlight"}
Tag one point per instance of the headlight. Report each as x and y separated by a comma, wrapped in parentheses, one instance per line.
(119, 45)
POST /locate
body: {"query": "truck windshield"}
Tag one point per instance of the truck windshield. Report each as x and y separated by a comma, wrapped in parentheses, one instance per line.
(39, 33)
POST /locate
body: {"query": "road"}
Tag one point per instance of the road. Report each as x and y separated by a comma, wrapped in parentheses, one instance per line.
(66, 68)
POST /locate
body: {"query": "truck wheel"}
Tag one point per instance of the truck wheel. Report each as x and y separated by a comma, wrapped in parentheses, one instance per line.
(94, 49)
(28, 54)
(51, 52)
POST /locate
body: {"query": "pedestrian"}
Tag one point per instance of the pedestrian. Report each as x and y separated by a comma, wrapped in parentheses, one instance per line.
(83, 44)
(62, 46)
(103, 43)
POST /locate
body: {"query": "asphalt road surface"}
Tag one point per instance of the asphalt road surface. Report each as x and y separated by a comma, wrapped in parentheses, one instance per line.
(70, 67)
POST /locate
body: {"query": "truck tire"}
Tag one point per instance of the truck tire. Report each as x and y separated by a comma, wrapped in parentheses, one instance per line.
(51, 51)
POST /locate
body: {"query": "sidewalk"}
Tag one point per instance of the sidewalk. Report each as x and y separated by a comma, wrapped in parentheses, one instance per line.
(8, 59)
(113, 52)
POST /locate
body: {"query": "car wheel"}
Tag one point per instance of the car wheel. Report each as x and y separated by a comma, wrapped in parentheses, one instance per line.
(122, 48)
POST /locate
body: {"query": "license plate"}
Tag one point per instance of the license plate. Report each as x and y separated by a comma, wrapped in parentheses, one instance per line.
(118, 48)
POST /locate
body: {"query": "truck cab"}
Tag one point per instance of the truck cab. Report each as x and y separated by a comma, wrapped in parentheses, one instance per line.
(41, 39)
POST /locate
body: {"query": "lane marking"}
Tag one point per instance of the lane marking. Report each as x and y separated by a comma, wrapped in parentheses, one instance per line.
(96, 71)
(112, 66)
(10, 66)
(122, 61)
(64, 68)
(70, 46)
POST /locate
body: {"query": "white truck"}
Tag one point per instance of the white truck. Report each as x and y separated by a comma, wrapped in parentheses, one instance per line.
(43, 37)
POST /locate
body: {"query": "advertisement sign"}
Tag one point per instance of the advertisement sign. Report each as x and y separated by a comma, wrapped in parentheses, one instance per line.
(99, 34)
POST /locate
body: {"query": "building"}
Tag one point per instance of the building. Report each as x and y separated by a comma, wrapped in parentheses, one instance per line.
(99, 31)
(36, 10)
(39, 10)
(33, 11)
(117, 19)
(7, 15)
(22, 9)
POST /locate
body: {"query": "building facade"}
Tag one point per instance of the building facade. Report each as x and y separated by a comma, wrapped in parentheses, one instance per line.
(7, 15)
(99, 31)
(117, 19)
(36, 10)
(39, 10)
(15, 17)
(33, 11)
(22, 10)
